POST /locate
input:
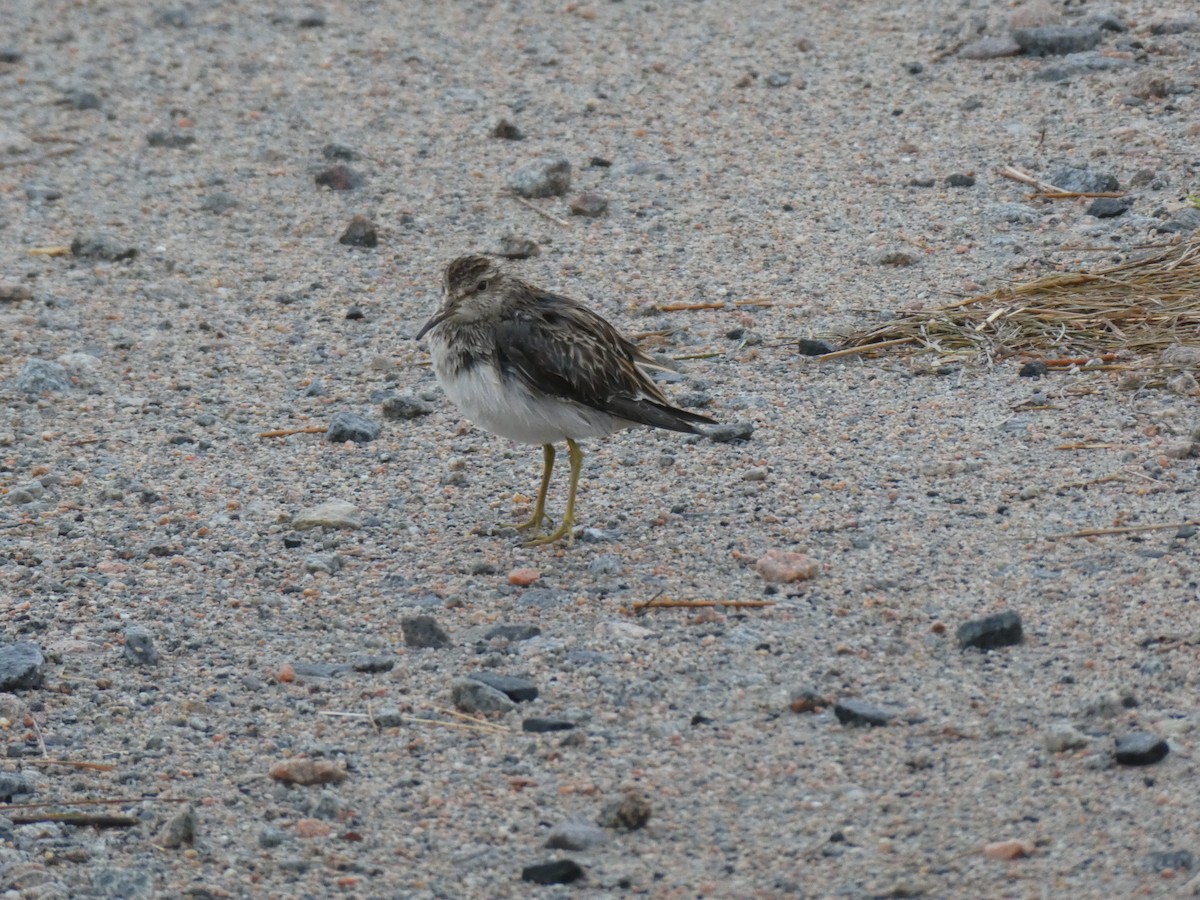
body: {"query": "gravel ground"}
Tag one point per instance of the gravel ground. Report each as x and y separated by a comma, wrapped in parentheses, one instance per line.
(779, 172)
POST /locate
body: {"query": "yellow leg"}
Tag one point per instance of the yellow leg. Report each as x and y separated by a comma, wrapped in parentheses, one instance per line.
(539, 507)
(567, 528)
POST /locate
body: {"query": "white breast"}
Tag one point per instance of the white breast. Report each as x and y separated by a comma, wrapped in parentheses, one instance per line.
(507, 408)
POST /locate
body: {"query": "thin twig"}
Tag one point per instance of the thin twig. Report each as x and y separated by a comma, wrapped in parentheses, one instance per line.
(1072, 195)
(37, 730)
(865, 348)
(541, 212)
(1025, 178)
(1084, 445)
(288, 432)
(690, 307)
(1125, 529)
(49, 251)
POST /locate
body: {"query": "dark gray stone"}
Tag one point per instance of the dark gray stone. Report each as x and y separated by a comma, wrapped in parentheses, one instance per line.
(334, 151)
(424, 632)
(101, 246)
(536, 725)
(348, 426)
(361, 232)
(170, 140)
(512, 632)
(21, 666)
(320, 670)
(219, 202)
(473, 696)
(549, 176)
(180, 829)
(560, 871)
(405, 406)
(82, 99)
(42, 193)
(1057, 40)
(999, 630)
(373, 665)
(121, 884)
(1084, 181)
(507, 131)
(590, 205)
(1140, 748)
(339, 178)
(859, 713)
(41, 376)
(1181, 25)
(1108, 207)
(729, 432)
(1178, 860)
(1184, 220)
(811, 347)
(515, 247)
(12, 784)
(629, 813)
(519, 690)
(139, 646)
(960, 180)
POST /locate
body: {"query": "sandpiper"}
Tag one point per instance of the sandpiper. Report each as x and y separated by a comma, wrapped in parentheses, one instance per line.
(539, 368)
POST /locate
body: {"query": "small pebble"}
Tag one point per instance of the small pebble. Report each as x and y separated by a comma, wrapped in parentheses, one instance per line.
(806, 699)
(549, 176)
(535, 725)
(783, 566)
(308, 771)
(999, 630)
(1008, 850)
(507, 131)
(858, 712)
(518, 690)
(348, 426)
(1061, 737)
(1057, 40)
(560, 871)
(339, 177)
(361, 232)
(424, 632)
(589, 205)
(1140, 749)
(523, 576)
(139, 646)
(405, 407)
(515, 247)
(472, 696)
(629, 812)
(22, 666)
(331, 514)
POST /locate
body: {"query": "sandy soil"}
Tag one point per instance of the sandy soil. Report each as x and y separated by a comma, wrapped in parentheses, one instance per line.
(768, 164)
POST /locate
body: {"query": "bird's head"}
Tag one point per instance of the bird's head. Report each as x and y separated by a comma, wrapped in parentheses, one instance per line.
(469, 288)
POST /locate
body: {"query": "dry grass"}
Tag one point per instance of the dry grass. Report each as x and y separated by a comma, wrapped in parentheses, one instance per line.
(1144, 313)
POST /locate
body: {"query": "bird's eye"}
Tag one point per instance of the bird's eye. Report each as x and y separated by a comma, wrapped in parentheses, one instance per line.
(481, 287)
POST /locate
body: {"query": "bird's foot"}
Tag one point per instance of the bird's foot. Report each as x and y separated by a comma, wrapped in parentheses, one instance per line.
(565, 530)
(534, 522)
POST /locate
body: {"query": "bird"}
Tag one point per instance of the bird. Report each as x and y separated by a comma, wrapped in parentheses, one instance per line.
(540, 368)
